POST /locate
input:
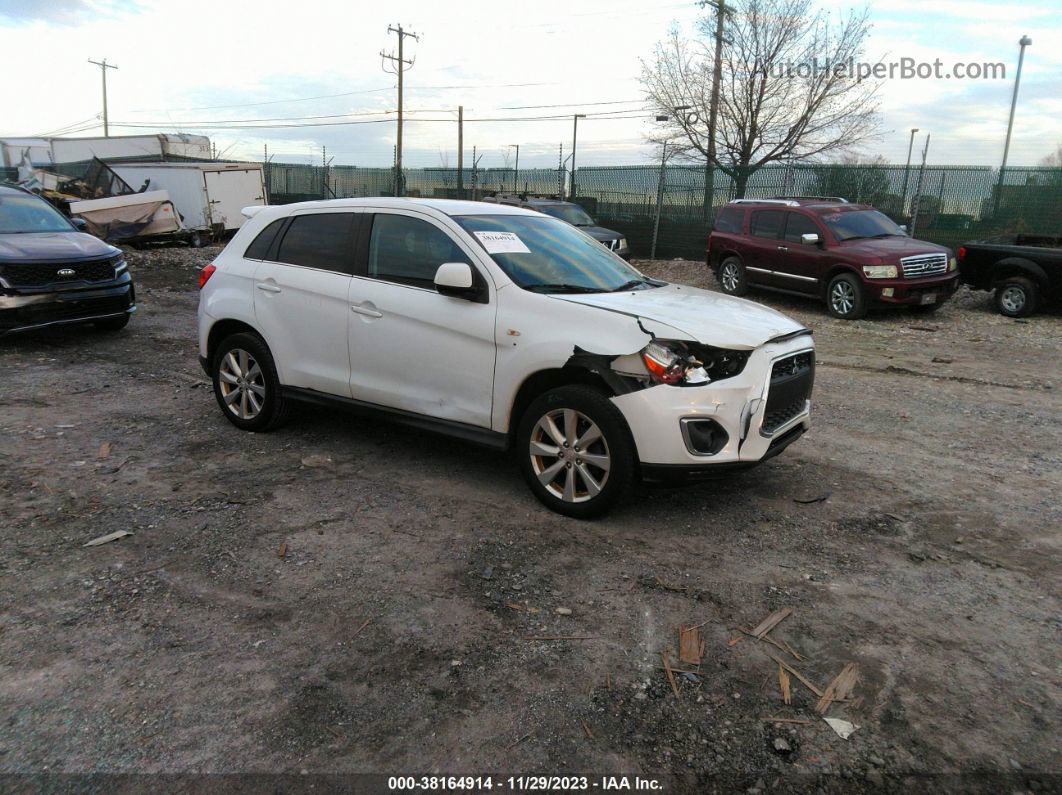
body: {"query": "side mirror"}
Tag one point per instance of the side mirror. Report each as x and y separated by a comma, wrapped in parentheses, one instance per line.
(903, 228)
(454, 279)
(810, 239)
(79, 223)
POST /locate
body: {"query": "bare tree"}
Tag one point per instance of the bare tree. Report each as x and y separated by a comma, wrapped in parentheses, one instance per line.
(1053, 160)
(790, 86)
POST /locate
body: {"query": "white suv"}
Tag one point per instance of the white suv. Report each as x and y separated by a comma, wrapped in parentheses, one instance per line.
(501, 326)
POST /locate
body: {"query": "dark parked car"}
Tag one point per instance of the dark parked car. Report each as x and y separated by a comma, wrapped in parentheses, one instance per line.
(569, 212)
(849, 255)
(1025, 271)
(52, 273)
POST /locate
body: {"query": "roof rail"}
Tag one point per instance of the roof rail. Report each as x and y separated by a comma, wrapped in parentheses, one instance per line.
(783, 202)
(840, 199)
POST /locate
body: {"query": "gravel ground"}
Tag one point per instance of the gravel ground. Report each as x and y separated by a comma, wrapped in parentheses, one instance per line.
(348, 596)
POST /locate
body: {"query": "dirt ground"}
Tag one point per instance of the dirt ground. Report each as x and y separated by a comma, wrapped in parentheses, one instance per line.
(348, 596)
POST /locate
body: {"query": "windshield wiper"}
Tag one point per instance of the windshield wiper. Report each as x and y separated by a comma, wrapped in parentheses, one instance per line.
(632, 284)
(561, 288)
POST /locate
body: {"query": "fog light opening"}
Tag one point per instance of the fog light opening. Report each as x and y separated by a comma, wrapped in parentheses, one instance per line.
(703, 436)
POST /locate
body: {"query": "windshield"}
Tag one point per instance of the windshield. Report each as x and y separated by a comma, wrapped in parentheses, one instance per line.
(860, 224)
(572, 213)
(547, 255)
(25, 213)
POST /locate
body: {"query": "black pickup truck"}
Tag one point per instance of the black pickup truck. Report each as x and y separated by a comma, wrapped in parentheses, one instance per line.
(1025, 271)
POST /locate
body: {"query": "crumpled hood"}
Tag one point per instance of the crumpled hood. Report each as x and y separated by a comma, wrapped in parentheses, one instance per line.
(710, 318)
(33, 246)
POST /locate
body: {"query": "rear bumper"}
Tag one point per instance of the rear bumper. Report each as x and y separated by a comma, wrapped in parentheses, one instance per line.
(27, 311)
(910, 292)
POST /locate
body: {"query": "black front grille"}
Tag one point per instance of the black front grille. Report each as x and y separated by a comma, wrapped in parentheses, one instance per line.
(39, 274)
(791, 382)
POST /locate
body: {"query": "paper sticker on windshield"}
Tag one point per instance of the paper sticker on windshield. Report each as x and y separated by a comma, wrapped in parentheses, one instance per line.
(502, 243)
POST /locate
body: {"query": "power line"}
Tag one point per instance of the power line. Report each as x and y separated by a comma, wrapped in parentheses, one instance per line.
(571, 104)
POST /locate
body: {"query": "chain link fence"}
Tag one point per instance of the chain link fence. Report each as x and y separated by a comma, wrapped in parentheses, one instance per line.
(942, 204)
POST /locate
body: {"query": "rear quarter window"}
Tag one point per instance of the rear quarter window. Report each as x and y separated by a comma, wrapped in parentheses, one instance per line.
(321, 240)
(729, 220)
(766, 223)
(259, 248)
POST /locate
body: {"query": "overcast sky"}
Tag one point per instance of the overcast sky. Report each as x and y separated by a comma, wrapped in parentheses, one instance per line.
(191, 63)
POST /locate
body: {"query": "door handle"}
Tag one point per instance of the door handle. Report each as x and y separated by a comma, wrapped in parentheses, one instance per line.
(269, 288)
(361, 310)
(783, 248)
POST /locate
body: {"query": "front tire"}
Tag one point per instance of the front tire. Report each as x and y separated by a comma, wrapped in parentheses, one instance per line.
(246, 384)
(576, 452)
(1017, 296)
(845, 297)
(732, 277)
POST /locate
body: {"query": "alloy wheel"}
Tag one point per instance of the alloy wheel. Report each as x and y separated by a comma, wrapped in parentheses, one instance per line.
(729, 277)
(569, 455)
(1012, 299)
(242, 384)
(842, 298)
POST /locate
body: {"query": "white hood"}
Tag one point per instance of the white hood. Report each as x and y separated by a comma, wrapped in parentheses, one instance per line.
(710, 318)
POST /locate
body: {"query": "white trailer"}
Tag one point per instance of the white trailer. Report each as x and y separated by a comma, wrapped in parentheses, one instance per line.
(157, 147)
(209, 196)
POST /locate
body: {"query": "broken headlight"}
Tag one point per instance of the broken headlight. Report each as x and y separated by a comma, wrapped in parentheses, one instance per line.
(690, 364)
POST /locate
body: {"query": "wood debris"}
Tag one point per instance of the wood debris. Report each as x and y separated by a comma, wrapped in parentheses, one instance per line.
(282, 550)
(800, 677)
(798, 721)
(104, 451)
(783, 685)
(559, 637)
(586, 729)
(359, 629)
(691, 644)
(839, 689)
(108, 538)
(769, 623)
(670, 675)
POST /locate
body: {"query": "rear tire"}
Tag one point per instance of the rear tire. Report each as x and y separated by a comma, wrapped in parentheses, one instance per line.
(1017, 296)
(845, 297)
(732, 277)
(246, 384)
(575, 451)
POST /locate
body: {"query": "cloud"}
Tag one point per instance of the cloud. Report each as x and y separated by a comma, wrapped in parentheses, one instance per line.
(63, 12)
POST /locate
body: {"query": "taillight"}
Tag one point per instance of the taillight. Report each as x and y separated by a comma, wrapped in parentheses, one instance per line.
(205, 274)
(962, 253)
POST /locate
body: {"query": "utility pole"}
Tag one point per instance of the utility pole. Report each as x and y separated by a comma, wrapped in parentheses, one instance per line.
(460, 151)
(104, 66)
(659, 198)
(560, 172)
(1023, 42)
(906, 171)
(575, 133)
(713, 110)
(516, 171)
(918, 189)
(399, 65)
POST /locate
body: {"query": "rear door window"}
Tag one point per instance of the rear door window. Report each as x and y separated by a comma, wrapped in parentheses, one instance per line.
(409, 251)
(259, 248)
(729, 220)
(797, 225)
(321, 240)
(767, 223)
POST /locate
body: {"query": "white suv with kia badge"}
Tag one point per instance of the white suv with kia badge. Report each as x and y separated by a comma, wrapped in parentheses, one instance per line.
(505, 327)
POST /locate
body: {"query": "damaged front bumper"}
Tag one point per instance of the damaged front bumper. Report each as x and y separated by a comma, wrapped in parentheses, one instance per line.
(29, 309)
(686, 432)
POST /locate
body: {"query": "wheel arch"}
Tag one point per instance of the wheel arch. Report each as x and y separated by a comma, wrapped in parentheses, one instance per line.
(226, 328)
(1018, 266)
(834, 271)
(544, 380)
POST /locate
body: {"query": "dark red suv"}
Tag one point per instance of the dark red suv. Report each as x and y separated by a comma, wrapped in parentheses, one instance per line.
(849, 255)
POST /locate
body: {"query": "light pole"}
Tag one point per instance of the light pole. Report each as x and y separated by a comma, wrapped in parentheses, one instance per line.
(516, 171)
(575, 132)
(1024, 42)
(907, 171)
